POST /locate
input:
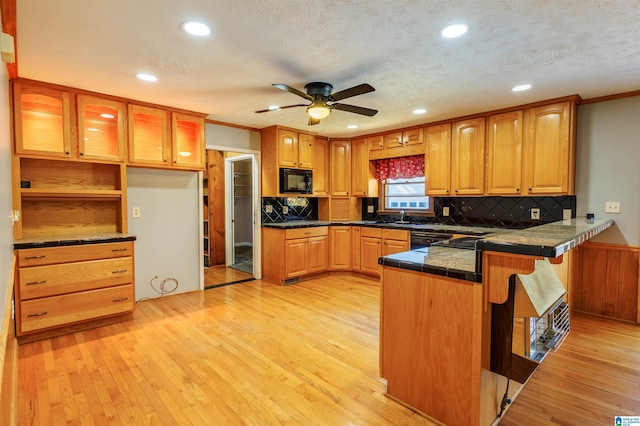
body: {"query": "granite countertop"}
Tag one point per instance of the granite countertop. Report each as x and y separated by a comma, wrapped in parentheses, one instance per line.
(445, 261)
(71, 240)
(428, 227)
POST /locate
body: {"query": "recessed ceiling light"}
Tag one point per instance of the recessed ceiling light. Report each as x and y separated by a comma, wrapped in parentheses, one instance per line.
(418, 111)
(352, 126)
(521, 88)
(274, 107)
(195, 28)
(453, 31)
(146, 77)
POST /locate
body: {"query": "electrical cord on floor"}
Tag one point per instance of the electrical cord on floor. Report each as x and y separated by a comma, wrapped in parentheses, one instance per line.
(163, 287)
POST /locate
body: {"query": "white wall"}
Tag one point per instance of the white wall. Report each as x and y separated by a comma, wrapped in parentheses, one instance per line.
(6, 224)
(168, 229)
(608, 166)
(232, 138)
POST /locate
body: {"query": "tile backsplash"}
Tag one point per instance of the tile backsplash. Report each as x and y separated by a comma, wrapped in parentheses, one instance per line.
(505, 212)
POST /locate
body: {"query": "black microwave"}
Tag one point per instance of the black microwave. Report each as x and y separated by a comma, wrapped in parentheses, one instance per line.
(296, 181)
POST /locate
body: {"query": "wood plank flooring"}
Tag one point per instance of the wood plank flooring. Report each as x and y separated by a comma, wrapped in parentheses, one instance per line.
(220, 274)
(306, 354)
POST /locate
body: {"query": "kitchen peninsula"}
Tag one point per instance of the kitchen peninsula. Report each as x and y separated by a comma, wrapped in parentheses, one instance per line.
(436, 317)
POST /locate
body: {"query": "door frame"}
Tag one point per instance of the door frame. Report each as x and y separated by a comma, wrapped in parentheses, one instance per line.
(255, 203)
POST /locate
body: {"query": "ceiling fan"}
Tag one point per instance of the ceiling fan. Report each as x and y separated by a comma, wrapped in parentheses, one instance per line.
(320, 95)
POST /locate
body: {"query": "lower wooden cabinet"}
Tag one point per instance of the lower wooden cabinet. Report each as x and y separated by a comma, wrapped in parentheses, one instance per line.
(292, 253)
(66, 286)
(376, 242)
(340, 248)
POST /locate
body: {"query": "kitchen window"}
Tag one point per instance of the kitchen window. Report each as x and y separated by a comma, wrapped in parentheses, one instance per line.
(405, 194)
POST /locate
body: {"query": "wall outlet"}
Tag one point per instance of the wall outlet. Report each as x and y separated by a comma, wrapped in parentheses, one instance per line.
(612, 207)
(370, 209)
(445, 211)
(285, 209)
(566, 214)
(535, 214)
(268, 208)
(135, 211)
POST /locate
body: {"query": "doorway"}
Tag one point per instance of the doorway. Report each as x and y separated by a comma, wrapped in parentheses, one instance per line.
(234, 213)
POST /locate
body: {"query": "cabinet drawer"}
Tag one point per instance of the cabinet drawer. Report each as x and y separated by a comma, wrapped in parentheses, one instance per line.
(71, 308)
(395, 234)
(50, 255)
(50, 280)
(371, 232)
(316, 231)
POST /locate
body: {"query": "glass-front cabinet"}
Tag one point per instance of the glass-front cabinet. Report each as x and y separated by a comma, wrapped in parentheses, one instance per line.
(187, 141)
(101, 128)
(148, 136)
(42, 121)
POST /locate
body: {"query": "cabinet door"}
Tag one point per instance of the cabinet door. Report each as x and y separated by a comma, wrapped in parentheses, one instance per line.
(376, 143)
(393, 140)
(287, 148)
(549, 160)
(504, 154)
(305, 151)
(318, 254)
(359, 167)
(413, 137)
(370, 251)
(101, 128)
(42, 121)
(148, 136)
(187, 141)
(467, 157)
(340, 248)
(355, 248)
(340, 168)
(394, 246)
(321, 167)
(295, 257)
(437, 162)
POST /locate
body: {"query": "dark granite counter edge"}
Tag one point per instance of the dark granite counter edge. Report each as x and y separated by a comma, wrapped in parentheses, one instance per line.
(434, 270)
(71, 242)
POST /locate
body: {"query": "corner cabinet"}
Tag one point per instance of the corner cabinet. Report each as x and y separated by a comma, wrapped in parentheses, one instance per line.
(61, 289)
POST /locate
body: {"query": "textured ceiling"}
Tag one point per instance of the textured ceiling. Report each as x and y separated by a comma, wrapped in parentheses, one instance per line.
(561, 47)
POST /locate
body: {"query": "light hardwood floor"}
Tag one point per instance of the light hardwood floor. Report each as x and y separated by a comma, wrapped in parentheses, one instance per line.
(220, 274)
(257, 353)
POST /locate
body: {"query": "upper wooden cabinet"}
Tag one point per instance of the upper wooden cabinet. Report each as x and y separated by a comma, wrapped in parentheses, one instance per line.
(101, 128)
(321, 167)
(340, 167)
(467, 157)
(148, 136)
(363, 171)
(437, 162)
(295, 149)
(376, 143)
(42, 121)
(398, 144)
(504, 153)
(187, 141)
(549, 149)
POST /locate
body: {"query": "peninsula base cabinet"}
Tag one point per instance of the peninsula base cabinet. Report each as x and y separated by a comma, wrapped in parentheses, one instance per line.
(69, 288)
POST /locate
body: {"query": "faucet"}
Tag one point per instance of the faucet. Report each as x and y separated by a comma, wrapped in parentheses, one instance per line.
(401, 215)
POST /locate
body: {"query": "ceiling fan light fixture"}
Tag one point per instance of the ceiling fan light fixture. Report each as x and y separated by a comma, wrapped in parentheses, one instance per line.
(318, 111)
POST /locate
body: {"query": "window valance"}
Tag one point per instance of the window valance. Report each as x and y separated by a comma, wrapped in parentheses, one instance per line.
(400, 168)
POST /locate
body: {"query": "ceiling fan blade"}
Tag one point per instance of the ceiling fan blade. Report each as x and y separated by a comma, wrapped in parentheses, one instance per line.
(313, 121)
(355, 109)
(282, 107)
(354, 91)
(292, 90)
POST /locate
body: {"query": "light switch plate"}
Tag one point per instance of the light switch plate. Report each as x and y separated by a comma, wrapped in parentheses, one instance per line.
(268, 208)
(445, 211)
(285, 209)
(135, 211)
(369, 209)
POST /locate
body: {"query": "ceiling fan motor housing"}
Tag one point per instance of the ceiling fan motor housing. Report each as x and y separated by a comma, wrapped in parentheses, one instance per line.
(317, 88)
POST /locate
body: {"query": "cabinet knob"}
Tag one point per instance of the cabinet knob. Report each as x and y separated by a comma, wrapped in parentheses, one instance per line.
(456, 190)
(518, 189)
(67, 153)
(530, 189)
(81, 154)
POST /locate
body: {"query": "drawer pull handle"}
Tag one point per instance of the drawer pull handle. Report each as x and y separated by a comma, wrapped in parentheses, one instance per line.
(122, 299)
(38, 314)
(120, 249)
(307, 233)
(36, 282)
(35, 257)
(119, 271)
